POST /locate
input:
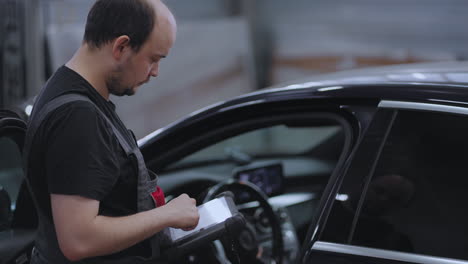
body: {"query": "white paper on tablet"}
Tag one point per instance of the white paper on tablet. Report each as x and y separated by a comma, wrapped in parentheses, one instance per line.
(211, 213)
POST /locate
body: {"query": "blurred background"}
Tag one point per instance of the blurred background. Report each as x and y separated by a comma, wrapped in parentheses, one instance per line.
(225, 48)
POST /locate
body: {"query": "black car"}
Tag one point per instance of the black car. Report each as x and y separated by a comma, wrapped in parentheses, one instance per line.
(366, 166)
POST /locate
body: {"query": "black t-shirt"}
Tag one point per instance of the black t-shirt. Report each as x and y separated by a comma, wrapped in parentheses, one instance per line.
(75, 152)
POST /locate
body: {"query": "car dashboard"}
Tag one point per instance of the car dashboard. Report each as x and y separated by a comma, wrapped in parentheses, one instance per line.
(292, 191)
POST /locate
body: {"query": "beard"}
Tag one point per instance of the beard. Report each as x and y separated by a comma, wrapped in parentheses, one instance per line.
(115, 84)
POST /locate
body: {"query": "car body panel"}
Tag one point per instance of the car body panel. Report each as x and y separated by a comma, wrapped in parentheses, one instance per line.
(353, 254)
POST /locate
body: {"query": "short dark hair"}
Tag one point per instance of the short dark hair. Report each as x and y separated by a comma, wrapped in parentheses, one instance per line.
(109, 19)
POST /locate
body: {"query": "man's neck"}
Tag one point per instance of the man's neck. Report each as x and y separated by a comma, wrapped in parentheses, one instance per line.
(91, 68)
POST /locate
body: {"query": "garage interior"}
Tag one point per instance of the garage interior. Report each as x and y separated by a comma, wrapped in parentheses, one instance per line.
(225, 48)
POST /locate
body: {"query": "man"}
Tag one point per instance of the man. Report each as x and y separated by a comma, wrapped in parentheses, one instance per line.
(86, 186)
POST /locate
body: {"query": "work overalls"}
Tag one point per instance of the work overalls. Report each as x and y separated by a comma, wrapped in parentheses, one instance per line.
(145, 186)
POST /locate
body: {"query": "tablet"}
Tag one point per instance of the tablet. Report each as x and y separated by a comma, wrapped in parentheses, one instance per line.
(218, 218)
(213, 215)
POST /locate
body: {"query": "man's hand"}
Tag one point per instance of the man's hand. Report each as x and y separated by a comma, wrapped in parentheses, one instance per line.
(182, 212)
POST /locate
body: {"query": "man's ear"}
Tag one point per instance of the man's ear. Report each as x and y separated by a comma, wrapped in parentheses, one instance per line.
(120, 46)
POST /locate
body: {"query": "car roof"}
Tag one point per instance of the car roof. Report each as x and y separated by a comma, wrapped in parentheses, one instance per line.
(442, 82)
(455, 72)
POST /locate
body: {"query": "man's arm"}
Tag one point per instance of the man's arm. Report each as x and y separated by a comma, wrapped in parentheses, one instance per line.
(82, 233)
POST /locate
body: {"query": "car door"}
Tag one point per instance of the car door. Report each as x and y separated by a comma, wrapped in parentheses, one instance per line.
(18, 216)
(402, 199)
(309, 138)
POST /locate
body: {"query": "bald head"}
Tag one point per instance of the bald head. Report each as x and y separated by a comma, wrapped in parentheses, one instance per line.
(162, 12)
(109, 19)
(165, 24)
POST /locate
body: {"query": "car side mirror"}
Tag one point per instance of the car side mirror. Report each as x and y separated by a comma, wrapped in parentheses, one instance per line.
(5, 209)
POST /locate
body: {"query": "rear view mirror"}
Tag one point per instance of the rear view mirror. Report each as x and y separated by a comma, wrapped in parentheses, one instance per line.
(5, 209)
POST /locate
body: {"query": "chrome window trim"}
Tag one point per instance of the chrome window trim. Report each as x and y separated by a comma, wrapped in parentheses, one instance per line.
(423, 106)
(383, 254)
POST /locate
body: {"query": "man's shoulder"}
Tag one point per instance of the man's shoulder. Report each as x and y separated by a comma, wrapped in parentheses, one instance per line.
(78, 109)
(72, 117)
(78, 122)
(62, 82)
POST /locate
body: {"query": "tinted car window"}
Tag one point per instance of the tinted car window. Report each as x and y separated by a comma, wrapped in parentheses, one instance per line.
(415, 200)
(11, 175)
(11, 171)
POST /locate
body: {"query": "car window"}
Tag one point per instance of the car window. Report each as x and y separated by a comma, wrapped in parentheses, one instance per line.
(11, 172)
(416, 199)
(264, 142)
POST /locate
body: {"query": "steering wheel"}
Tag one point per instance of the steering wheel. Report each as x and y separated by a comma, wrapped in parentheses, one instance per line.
(245, 242)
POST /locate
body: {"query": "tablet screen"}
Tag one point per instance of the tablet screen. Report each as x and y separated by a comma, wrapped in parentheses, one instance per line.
(211, 213)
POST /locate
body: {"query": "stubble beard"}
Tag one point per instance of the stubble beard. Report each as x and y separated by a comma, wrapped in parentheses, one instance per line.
(115, 85)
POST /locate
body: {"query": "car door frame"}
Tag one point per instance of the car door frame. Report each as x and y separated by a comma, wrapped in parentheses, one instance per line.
(358, 113)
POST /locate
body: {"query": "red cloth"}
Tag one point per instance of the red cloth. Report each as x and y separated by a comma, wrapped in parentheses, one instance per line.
(158, 197)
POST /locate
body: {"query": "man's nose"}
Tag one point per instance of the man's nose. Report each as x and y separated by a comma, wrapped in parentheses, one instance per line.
(154, 70)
